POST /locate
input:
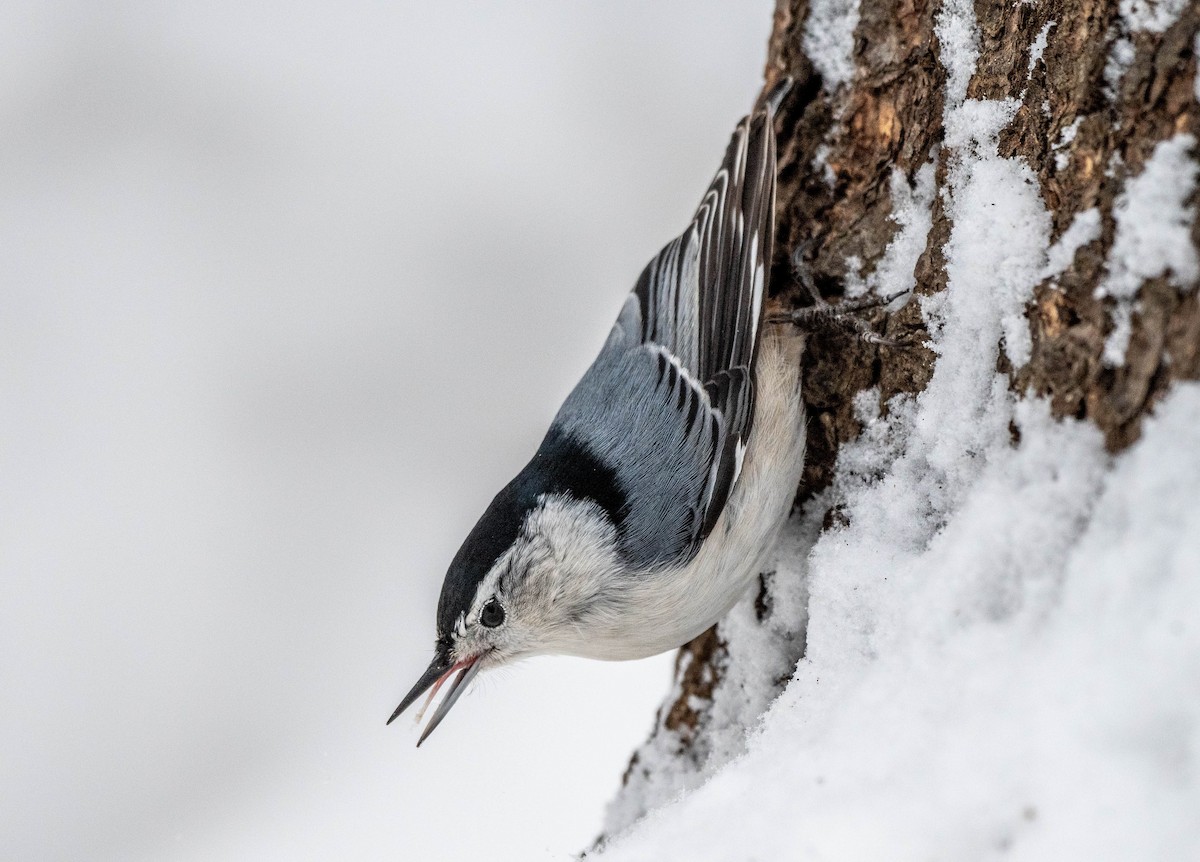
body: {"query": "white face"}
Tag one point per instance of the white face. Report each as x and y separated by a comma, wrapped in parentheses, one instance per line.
(550, 592)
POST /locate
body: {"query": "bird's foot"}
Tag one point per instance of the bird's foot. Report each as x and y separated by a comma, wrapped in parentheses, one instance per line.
(823, 316)
(840, 318)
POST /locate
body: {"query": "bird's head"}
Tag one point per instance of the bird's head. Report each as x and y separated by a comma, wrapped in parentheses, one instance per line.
(536, 575)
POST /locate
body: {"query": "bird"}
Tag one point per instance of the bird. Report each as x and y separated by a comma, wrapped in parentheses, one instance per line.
(666, 475)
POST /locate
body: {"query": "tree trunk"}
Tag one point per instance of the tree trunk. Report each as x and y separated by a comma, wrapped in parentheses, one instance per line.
(910, 120)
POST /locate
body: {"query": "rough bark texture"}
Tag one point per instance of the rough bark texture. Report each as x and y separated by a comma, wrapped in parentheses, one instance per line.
(1085, 124)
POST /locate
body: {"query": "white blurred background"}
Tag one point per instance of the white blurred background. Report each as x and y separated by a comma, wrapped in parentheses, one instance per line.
(289, 290)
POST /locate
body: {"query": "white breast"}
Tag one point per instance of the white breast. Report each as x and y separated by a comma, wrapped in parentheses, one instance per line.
(667, 609)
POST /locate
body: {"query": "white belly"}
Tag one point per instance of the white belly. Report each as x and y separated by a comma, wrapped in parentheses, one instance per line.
(667, 609)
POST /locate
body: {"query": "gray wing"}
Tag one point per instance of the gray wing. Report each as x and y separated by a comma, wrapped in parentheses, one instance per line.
(668, 404)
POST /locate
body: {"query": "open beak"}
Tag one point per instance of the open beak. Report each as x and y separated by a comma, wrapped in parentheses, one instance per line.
(439, 671)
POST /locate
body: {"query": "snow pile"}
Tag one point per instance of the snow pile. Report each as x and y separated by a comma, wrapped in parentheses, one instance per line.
(1003, 651)
(1019, 675)
(1002, 625)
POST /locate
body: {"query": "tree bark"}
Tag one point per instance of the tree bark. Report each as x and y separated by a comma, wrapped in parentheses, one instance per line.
(1091, 89)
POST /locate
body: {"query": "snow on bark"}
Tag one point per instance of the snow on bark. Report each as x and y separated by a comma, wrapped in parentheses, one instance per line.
(959, 47)
(1084, 229)
(1153, 16)
(964, 698)
(829, 39)
(1154, 221)
(912, 212)
(978, 637)
(1001, 232)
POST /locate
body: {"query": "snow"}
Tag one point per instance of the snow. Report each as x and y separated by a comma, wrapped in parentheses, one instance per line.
(1120, 58)
(759, 653)
(829, 39)
(965, 703)
(820, 163)
(1153, 236)
(1001, 229)
(959, 47)
(1002, 653)
(1001, 648)
(1062, 147)
(1038, 48)
(1137, 16)
(1154, 222)
(1152, 16)
(912, 210)
(1084, 228)
(913, 215)
(854, 284)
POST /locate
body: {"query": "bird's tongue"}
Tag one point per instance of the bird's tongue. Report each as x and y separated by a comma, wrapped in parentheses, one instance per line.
(466, 672)
(437, 685)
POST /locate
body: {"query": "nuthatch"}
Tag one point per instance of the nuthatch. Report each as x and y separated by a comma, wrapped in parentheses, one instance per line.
(666, 475)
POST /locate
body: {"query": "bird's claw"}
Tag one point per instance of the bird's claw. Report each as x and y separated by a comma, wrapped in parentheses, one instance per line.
(824, 316)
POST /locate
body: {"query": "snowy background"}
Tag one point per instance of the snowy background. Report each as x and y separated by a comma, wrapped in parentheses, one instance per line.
(290, 290)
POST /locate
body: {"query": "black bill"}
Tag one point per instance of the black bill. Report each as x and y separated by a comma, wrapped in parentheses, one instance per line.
(439, 671)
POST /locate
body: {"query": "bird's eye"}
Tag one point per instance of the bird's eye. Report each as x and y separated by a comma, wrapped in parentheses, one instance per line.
(492, 614)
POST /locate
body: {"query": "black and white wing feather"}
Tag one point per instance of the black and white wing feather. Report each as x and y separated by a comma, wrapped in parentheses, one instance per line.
(667, 407)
